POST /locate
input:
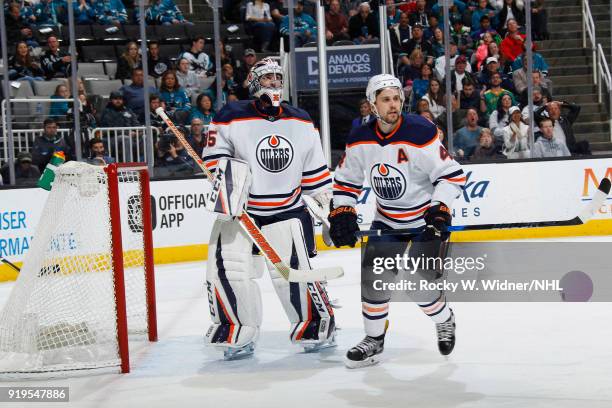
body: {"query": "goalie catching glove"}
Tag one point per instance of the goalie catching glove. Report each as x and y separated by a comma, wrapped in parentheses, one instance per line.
(343, 226)
(438, 218)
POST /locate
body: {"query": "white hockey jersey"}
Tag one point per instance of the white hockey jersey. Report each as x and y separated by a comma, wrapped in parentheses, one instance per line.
(407, 169)
(283, 151)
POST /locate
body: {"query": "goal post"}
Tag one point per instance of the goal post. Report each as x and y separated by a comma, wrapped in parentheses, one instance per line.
(87, 283)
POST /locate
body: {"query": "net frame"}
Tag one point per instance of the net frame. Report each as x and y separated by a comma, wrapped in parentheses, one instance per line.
(27, 337)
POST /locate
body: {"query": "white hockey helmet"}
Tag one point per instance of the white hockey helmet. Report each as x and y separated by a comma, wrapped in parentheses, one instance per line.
(378, 83)
(274, 94)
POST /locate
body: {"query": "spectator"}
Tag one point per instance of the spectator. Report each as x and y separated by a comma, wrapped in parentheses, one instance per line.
(156, 120)
(520, 83)
(84, 13)
(97, 153)
(539, 64)
(482, 10)
(128, 61)
(157, 64)
(516, 136)
(172, 157)
(232, 97)
(538, 100)
(259, 22)
(492, 95)
(500, 117)
(510, 10)
(365, 114)
(562, 125)
(434, 23)
(546, 145)
(460, 73)
(248, 60)
(188, 80)
(305, 26)
(133, 94)
(417, 42)
(109, 12)
(514, 43)
(466, 138)
(492, 67)
(419, 16)
(421, 85)
(228, 85)
(277, 10)
(336, 23)
(486, 149)
(49, 13)
(540, 95)
(393, 13)
(25, 172)
(16, 27)
(539, 21)
(412, 71)
(55, 62)
(485, 27)
(48, 143)
(201, 63)
(400, 33)
(461, 36)
(435, 98)
(116, 114)
(469, 97)
(22, 66)
(363, 26)
(164, 12)
(59, 110)
(203, 110)
(177, 102)
(227, 56)
(197, 136)
(437, 43)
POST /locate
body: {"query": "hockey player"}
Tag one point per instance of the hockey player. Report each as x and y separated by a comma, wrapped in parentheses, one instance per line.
(285, 157)
(415, 181)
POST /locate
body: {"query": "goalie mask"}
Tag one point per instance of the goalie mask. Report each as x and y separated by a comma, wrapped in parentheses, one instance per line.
(265, 81)
(379, 82)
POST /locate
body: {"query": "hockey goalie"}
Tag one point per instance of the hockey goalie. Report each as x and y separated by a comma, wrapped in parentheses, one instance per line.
(266, 154)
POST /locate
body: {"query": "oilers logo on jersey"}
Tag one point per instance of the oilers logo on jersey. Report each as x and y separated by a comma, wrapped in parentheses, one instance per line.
(274, 153)
(387, 181)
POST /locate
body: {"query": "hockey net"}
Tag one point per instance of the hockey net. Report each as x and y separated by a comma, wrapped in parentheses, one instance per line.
(87, 280)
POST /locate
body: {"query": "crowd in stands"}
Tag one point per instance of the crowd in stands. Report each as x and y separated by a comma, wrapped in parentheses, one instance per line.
(488, 69)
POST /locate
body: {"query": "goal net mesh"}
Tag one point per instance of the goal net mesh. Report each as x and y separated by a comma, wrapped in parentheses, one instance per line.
(61, 314)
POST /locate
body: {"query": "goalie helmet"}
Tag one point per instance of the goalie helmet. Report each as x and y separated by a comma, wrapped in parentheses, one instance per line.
(274, 92)
(379, 82)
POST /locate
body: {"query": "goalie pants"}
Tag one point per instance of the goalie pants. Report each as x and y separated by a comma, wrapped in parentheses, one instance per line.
(375, 303)
(234, 297)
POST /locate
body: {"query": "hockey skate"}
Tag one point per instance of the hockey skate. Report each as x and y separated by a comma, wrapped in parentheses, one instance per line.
(235, 342)
(446, 335)
(321, 345)
(238, 353)
(365, 353)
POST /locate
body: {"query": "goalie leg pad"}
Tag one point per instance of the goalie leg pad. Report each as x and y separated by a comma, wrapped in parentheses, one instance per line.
(234, 298)
(306, 304)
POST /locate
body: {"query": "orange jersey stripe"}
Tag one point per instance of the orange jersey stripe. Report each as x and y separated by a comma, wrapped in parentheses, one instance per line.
(404, 215)
(456, 180)
(212, 164)
(274, 203)
(375, 309)
(349, 189)
(312, 179)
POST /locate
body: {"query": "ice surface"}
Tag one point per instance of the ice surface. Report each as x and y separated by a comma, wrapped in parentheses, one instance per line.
(507, 355)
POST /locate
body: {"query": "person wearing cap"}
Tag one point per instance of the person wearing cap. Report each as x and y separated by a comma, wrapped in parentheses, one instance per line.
(516, 136)
(461, 72)
(492, 67)
(400, 33)
(116, 114)
(336, 23)
(48, 143)
(25, 172)
(418, 42)
(305, 26)
(259, 21)
(364, 25)
(248, 60)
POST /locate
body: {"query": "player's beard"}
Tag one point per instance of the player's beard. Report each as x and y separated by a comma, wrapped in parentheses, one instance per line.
(391, 118)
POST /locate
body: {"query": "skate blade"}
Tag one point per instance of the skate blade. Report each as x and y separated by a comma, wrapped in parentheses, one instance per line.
(370, 361)
(314, 348)
(230, 354)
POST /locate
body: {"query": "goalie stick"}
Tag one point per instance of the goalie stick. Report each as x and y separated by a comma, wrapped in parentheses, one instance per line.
(253, 231)
(585, 215)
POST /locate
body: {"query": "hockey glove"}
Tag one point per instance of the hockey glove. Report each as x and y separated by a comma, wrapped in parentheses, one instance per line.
(343, 225)
(438, 218)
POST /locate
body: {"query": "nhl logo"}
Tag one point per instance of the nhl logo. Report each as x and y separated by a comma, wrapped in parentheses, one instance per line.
(387, 182)
(274, 153)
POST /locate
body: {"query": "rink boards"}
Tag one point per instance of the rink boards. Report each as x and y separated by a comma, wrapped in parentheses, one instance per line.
(494, 193)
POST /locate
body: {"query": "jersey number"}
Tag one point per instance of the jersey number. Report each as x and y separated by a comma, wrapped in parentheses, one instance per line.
(444, 153)
(211, 140)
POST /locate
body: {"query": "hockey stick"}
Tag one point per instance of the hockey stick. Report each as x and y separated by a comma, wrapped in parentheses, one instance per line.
(585, 215)
(321, 215)
(9, 263)
(253, 231)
